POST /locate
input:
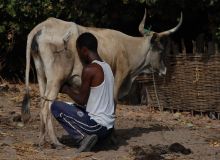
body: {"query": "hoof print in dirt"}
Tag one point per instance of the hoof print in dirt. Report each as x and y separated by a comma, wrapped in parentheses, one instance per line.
(178, 148)
(16, 121)
(17, 118)
(14, 89)
(4, 88)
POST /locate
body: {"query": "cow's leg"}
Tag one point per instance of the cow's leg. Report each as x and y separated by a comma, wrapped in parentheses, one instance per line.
(118, 81)
(120, 75)
(51, 93)
(43, 121)
(42, 86)
(57, 68)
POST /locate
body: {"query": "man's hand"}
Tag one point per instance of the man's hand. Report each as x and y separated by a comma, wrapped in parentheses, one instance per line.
(65, 89)
(80, 96)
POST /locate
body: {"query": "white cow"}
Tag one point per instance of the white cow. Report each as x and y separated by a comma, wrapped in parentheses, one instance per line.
(52, 44)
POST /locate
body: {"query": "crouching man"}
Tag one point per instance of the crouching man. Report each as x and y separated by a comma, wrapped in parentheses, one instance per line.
(92, 117)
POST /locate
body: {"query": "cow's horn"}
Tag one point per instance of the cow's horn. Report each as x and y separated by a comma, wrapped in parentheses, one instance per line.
(141, 25)
(166, 33)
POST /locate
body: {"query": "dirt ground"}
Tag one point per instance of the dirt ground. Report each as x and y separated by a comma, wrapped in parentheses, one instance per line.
(142, 134)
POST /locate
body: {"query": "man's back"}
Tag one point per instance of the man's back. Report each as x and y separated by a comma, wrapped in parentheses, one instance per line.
(100, 104)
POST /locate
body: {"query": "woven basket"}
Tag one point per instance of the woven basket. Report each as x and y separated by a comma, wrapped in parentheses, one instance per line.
(192, 83)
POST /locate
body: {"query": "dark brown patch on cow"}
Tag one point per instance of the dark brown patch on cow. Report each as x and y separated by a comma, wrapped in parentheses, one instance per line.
(34, 44)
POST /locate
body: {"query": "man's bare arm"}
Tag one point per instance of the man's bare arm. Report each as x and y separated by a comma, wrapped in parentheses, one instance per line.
(81, 98)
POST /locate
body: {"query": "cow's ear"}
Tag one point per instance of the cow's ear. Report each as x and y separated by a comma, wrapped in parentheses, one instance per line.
(154, 38)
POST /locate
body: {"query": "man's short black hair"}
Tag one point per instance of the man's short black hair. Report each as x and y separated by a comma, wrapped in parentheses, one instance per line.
(87, 40)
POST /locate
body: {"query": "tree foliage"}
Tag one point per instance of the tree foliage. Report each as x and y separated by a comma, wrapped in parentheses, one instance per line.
(17, 18)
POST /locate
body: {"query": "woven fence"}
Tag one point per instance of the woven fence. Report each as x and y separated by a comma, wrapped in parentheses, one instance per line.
(192, 83)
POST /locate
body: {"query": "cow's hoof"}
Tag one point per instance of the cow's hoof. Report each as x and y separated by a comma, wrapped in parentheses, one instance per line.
(25, 117)
(39, 146)
(41, 142)
(57, 146)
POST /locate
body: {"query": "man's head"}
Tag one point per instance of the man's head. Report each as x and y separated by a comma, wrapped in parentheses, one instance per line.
(86, 44)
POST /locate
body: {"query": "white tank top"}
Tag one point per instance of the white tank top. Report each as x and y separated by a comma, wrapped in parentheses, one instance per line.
(100, 104)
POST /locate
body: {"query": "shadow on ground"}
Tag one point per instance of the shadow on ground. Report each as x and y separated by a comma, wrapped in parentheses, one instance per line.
(120, 137)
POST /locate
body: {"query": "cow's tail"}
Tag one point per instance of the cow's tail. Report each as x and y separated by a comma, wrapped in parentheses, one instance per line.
(25, 110)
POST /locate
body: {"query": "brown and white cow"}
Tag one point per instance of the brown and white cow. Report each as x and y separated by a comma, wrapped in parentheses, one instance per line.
(52, 46)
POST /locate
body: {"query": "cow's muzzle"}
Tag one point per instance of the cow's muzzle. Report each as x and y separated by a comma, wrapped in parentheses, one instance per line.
(163, 71)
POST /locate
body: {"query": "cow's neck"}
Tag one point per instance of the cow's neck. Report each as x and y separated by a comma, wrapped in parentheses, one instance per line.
(138, 56)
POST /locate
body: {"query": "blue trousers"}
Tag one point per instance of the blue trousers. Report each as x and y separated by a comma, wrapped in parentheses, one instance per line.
(76, 121)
